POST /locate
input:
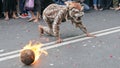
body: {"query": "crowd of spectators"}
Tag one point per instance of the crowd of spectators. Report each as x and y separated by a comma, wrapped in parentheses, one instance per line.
(16, 8)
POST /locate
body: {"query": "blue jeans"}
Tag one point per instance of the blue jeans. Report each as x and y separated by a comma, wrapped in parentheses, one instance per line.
(86, 7)
(96, 2)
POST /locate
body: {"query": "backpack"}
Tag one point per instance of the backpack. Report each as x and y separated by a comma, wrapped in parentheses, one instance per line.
(29, 4)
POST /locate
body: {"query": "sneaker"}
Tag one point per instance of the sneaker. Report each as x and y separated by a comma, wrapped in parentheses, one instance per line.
(26, 14)
(22, 16)
(101, 9)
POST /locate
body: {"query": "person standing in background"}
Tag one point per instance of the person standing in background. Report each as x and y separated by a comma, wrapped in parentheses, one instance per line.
(39, 6)
(89, 2)
(106, 4)
(86, 7)
(1, 9)
(96, 4)
(23, 11)
(37, 9)
(9, 6)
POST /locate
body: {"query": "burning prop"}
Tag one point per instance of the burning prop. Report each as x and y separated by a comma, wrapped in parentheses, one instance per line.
(31, 53)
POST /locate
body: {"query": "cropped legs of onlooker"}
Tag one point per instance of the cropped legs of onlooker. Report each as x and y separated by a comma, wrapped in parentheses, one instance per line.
(105, 4)
(40, 5)
(108, 4)
(89, 2)
(37, 9)
(86, 7)
(1, 11)
(9, 6)
(23, 12)
(96, 4)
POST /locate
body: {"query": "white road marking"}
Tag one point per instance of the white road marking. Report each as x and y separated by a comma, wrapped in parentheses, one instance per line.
(98, 34)
(80, 39)
(9, 57)
(67, 39)
(9, 53)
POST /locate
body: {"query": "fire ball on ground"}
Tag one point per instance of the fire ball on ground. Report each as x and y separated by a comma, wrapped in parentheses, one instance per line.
(31, 53)
(27, 56)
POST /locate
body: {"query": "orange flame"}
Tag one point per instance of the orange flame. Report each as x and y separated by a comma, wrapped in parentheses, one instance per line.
(36, 48)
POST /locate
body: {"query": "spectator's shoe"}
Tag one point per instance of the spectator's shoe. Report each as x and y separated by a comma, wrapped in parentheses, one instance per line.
(101, 9)
(23, 16)
(26, 14)
(111, 8)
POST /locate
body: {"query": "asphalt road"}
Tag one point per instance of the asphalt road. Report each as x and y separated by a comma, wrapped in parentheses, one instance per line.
(77, 51)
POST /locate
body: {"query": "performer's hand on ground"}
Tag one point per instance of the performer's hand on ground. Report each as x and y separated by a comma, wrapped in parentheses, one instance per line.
(59, 40)
(90, 35)
(40, 28)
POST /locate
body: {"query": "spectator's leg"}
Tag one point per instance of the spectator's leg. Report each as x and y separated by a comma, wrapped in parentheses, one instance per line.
(37, 17)
(32, 16)
(99, 3)
(21, 6)
(102, 4)
(6, 9)
(95, 4)
(108, 4)
(14, 15)
(6, 15)
(1, 9)
(86, 7)
(14, 8)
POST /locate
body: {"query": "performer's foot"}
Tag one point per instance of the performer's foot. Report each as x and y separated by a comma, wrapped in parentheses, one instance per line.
(41, 30)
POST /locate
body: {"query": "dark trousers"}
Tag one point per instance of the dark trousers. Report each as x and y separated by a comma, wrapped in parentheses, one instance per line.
(1, 9)
(1, 6)
(106, 4)
(45, 3)
(21, 6)
(89, 2)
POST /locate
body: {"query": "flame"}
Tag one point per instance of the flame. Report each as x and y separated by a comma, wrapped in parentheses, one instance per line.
(36, 48)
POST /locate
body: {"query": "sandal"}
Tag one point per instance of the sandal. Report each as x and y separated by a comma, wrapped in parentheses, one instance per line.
(31, 19)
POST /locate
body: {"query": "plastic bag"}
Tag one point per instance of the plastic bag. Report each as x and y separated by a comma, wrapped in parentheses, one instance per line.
(29, 4)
